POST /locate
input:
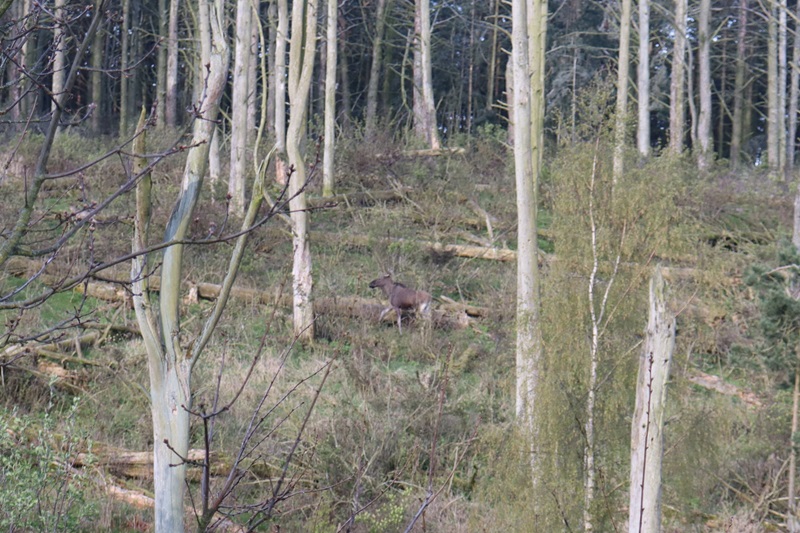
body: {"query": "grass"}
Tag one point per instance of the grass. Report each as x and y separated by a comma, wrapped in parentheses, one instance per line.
(371, 435)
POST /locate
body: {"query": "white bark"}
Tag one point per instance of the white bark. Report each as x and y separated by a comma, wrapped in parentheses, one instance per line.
(239, 103)
(330, 99)
(172, 66)
(169, 364)
(60, 56)
(647, 425)
(643, 80)
(597, 312)
(428, 108)
(301, 69)
(623, 81)
(528, 23)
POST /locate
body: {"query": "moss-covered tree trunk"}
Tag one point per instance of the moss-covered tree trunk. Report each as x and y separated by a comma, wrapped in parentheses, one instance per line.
(647, 426)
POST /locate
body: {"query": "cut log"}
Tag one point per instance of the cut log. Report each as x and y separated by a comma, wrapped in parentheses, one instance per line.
(717, 384)
(359, 198)
(459, 250)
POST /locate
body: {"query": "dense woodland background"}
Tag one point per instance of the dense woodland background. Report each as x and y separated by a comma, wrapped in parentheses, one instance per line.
(362, 427)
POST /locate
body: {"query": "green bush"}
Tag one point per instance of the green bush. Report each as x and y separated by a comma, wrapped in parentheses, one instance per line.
(39, 489)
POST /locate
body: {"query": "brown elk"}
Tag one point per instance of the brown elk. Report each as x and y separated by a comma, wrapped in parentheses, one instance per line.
(402, 298)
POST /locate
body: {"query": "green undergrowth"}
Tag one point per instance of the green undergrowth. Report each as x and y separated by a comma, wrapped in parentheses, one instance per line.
(432, 409)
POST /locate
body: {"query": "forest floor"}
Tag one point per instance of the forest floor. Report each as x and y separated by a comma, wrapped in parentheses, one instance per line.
(404, 416)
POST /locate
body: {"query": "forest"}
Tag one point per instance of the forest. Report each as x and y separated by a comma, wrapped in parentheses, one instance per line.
(399, 265)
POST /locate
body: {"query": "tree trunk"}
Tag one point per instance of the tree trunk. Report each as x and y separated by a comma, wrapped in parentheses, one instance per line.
(704, 85)
(623, 81)
(418, 107)
(490, 75)
(773, 133)
(301, 69)
(428, 108)
(170, 365)
(344, 76)
(96, 78)
(677, 111)
(737, 130)
(280, 90)
(124, 83)
(794, 94)
(470, 53)
(330, 99)
(528, 38)
(252, 75)
(643, 80)
(272, 19)
(782, 133)
(371, 116)
(239, 101)
(59, 57)
(647, 425)
(161, 64)
(171, 99)
(792, 511)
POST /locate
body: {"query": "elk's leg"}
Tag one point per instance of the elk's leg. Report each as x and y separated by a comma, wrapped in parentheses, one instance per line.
(399, 319)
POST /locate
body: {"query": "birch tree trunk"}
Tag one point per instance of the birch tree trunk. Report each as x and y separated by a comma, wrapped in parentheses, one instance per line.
(59, 57)
(330, 99)
(623, 82)
(371, 116)
(677, 110)
(171, 99)
(704, 84)
(427, 109)
(737, 133)
(529, 21)
(643, 80)
(239, 102)
(170, 364)
(647, 426)
(301, 69)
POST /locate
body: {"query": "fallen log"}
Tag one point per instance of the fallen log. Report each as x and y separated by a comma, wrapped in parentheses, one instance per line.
(717, 384)
(360, 198)
(459, 250)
